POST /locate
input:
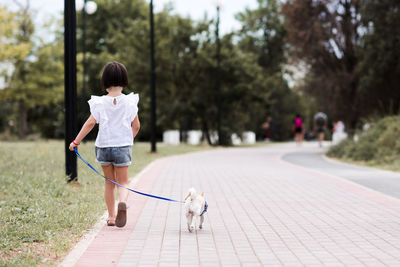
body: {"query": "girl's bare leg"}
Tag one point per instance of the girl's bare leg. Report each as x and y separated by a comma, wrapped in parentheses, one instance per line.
(109, 172)
(320, 138)
(122, 178)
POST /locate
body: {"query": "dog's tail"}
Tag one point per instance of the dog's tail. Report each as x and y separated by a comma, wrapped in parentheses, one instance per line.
(192, 191)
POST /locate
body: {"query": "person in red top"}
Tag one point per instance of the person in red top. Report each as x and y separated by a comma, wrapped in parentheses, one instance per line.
(298, 129)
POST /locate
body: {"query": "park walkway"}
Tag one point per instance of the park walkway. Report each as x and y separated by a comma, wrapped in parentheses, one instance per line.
(263, 211)
(311, 157)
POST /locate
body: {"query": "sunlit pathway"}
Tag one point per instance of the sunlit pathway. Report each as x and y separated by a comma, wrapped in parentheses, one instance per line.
(262, 212)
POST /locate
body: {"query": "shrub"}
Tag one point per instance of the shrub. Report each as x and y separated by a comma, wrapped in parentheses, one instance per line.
(339, 149)
(380, 143)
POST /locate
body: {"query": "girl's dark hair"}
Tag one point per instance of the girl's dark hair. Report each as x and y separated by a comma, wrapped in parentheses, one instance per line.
(114, 74)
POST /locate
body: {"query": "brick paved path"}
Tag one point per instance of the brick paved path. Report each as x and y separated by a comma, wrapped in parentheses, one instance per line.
(262, 212)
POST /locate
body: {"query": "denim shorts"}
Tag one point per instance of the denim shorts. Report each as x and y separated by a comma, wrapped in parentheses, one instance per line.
(117, 156)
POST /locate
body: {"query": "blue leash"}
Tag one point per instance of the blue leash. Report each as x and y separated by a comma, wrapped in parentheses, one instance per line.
(120, 185)
(205, 208)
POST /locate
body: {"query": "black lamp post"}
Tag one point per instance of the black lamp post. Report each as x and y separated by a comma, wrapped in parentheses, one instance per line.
(84, 46)
(152, 81)
(218, 73)
(70, 86)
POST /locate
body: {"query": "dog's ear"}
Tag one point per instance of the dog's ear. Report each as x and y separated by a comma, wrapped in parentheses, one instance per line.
(202, 194)
(187, 196)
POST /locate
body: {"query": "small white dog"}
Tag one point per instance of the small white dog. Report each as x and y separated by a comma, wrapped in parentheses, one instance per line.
(195, 206)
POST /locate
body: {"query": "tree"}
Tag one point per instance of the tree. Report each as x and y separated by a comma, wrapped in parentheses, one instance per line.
(37, 80)
(186, 66)
(21, 34)
(379, 51)
(10, 48)
(45, 89)
(10, 51)
(125, 40)
(264, 36)
(263, 33)
(325, 35)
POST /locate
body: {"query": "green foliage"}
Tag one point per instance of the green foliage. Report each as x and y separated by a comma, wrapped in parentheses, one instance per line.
(324, 35)
(37, 80)
(339, 150)
(11, 47)
(351, 63)
(252, 85)
(263, 33)
(380, 144)
(251, 76)
(351, 49)
(264, 36)
(41, 82)
(380, 56)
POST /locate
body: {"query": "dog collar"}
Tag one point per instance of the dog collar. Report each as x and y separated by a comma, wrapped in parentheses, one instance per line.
(205, 208)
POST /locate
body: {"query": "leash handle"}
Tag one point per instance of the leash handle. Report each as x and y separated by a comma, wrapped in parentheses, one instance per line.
(120, 185)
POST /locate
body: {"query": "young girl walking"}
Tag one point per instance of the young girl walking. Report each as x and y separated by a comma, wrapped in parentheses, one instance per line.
(117, 116)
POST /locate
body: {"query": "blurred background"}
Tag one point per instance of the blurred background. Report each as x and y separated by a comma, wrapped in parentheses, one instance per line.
(276, 59)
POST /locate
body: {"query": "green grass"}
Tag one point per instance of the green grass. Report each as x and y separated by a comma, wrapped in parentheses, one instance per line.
(42, 216)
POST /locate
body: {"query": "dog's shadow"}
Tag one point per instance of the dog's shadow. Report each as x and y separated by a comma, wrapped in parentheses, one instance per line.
(206, 230)
(185, 232)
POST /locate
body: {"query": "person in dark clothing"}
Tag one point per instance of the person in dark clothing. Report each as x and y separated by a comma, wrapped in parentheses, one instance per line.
(320, 123)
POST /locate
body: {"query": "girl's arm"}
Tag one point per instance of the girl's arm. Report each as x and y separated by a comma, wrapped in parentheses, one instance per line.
(135, 126)
(86, 128)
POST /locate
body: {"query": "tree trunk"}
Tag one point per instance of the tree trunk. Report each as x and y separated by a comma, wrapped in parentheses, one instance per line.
(22, 119)
(206, 133)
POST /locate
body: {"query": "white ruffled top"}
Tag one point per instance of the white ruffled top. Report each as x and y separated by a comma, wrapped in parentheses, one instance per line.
(114, 116)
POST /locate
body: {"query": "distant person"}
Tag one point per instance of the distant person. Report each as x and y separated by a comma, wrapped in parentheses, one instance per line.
(267, 125)
(339, 133)
(117, 116)
(298, 129)
(338, 127)
(320, 123)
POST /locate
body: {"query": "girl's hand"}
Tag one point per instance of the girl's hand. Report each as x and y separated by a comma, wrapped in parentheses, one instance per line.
(73, 145)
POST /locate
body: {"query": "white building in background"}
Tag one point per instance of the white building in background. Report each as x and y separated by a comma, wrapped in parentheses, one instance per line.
(171, 137)
(249, 138)
(194, 137)
(236, 139)
(339, 133)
